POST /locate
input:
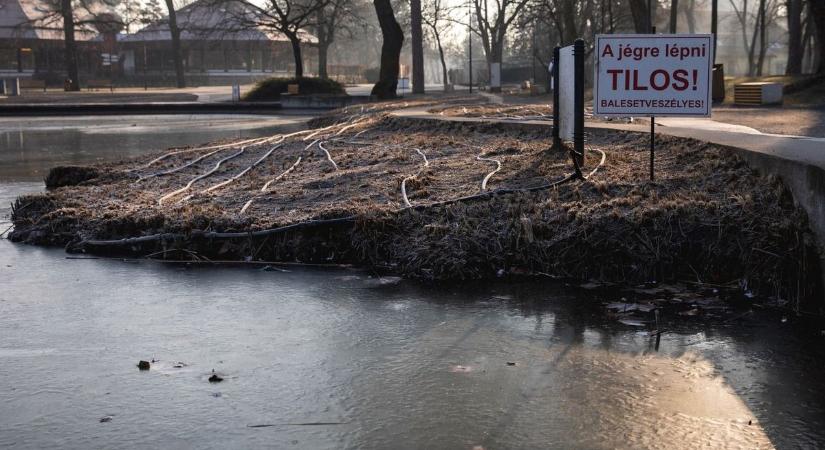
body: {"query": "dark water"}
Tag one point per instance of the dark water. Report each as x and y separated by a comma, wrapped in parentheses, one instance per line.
(340, 359)
(30, 146)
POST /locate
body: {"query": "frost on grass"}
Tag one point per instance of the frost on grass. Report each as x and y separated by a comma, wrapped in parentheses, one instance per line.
(707, 218)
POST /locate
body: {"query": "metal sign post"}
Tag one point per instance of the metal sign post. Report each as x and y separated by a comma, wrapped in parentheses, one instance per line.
(578, 102)
(555, 75)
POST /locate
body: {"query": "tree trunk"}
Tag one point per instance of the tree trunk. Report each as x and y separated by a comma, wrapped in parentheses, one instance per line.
(714, 21)
(794, 65)
(324, 41)
(612, 21)
(569, 13)
(323, 49)
(393, 40)
(690, 16)
(174, 31)
(445, 80)
(752, 48)
(763, 39)
(638, 9)
(674, 15)
(417, 47)
(818, 14)
(296, 53)
(807, 41)
(495, 56)
(70, 44)
(749, 48)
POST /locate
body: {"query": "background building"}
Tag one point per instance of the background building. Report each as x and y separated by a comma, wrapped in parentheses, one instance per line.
(216, 49)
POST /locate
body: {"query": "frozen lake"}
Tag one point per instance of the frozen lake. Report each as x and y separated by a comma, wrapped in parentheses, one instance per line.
(323, 358)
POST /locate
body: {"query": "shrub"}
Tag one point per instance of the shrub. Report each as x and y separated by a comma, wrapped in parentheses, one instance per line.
(272, 88)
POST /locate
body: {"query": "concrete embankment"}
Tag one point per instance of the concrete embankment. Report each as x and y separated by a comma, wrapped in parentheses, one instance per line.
(57, 109)
(283, 106)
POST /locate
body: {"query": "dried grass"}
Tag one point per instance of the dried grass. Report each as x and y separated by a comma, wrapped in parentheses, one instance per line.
(708, 218)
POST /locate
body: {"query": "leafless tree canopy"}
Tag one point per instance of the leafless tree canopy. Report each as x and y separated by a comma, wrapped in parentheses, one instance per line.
(289, 17)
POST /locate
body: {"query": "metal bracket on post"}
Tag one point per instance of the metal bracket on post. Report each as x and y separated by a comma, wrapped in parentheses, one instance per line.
(555, 75)
(578, 102)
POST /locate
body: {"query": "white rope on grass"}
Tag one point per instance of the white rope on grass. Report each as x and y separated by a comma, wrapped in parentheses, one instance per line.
(213, 147)
(269, 183)
(199, 177)
(283, 174)
(329, 156)
(352, 140)
(202, 157)
(351, 121)
(426, 162)
(311, 144)
(489, 175)
(319, 131)
(347, 128)
(217, 148)
(404, 181)
(179, 168)
(241, 173)
(600, 164)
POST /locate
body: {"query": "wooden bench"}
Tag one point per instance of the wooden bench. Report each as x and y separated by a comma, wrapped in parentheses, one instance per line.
(28, 83)
(95, 84)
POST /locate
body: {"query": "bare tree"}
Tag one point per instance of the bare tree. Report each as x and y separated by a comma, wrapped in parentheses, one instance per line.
(70, 52)
(688, 8)
(641, 15)
(714, 23)
(674, 15)
(136, 14)
(756, 45)
(74, 16)
(818, 16)
(763, 40)
(288, 17)
(435, 17)
(417, 47)
(393, 40)
(743, 16)
(338, 16)
(571, 19)
(809, 60)
(793, 9)
(174, 33)
(493, 23)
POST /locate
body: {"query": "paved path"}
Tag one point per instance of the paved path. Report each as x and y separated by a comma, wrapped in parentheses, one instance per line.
(809, 150)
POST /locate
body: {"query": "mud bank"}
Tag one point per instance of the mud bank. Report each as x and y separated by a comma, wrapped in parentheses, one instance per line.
(442, 202)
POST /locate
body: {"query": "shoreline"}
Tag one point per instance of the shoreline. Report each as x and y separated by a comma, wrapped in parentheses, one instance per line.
(717, 223)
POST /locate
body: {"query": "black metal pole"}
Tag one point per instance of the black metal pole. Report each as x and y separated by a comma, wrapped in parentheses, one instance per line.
(555, 83)
(578, 101)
